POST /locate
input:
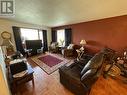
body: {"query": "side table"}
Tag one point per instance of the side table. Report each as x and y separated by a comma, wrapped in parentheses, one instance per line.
(60, 49)
(80, 53)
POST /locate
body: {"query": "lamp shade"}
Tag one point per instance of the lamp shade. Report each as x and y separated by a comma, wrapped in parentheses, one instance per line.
(6, 42)
(82, 42)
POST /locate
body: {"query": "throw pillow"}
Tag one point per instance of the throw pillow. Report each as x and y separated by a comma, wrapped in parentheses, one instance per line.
(53, 45)
(70, 46)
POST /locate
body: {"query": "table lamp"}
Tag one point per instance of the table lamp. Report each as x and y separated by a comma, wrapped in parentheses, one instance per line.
(82, 42)
(6, 43)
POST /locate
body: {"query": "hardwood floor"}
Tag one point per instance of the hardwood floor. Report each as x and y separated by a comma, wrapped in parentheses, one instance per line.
(50, 85)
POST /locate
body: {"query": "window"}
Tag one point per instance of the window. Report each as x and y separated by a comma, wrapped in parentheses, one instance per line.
(41, 35)
(31, 34)
(61, 37)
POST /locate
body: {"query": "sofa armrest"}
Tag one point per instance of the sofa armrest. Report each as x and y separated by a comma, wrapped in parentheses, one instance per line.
(88, 76)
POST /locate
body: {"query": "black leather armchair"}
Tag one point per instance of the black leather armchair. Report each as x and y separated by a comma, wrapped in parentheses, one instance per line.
(80, 80)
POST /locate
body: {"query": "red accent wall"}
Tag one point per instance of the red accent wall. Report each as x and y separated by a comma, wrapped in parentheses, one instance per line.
(110, 32)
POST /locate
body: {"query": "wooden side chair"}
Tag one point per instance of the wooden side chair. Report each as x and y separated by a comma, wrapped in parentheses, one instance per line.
(16, 69)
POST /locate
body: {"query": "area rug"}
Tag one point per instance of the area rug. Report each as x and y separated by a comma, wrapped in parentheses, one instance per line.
(49, 62)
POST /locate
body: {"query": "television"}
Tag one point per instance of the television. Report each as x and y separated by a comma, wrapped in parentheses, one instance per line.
(33, 44)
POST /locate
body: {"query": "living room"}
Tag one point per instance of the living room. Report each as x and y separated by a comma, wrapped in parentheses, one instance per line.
(55, 38)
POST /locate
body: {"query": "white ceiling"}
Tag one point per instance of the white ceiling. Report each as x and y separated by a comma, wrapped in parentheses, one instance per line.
(61, 12)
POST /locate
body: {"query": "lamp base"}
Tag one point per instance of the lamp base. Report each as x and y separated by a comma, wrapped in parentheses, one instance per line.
(82, 48)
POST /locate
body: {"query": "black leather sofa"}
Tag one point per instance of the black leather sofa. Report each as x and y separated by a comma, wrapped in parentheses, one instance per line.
(81, 75)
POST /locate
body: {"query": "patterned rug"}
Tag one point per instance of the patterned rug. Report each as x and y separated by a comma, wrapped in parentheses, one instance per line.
(49, 62)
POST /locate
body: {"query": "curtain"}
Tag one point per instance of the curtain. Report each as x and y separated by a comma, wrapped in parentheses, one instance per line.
(18, 41)
(45, 44)
(54, 36)
(68, 36)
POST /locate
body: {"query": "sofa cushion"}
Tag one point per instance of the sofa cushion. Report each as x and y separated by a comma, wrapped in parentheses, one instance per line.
(94, 63)
(85, 58)
(53, 45)
(18, 67)
(70, 46)
(72, 72)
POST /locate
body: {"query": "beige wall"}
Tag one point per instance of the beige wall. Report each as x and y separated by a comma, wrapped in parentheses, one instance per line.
(6, 25)
(4, 90)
